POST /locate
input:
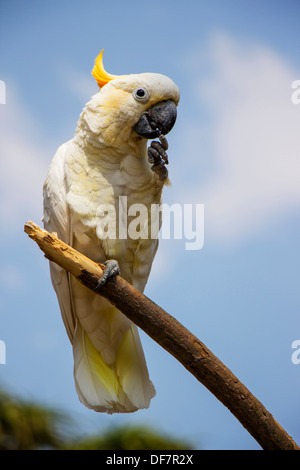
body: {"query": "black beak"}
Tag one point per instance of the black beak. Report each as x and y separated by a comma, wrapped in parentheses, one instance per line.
(158, 119)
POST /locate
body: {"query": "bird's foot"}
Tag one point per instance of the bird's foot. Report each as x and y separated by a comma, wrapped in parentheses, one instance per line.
(111, 269)
(158, 157)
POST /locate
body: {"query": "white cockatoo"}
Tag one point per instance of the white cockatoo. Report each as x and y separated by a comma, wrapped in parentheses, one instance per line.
(106, 161)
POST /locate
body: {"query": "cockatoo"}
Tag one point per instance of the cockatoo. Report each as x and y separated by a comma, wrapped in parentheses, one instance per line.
(105, 160)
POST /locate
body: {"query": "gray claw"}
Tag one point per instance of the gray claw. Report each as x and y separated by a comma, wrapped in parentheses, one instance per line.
(161, 170)
(153, 155)
(160, 150)
(111, 269)
(158, 157)
(163, 141)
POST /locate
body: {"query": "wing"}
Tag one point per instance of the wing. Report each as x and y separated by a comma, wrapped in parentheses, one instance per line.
(56, 218)
(110, 370)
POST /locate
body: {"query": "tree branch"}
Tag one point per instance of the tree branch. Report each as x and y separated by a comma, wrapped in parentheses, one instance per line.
(173, 337)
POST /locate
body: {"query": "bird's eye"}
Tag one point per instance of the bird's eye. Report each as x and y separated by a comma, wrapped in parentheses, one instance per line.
(142, 95)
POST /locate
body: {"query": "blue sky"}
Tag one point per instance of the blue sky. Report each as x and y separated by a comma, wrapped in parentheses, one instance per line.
(235, 148)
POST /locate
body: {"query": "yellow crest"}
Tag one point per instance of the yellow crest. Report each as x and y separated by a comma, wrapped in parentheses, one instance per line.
(99, 73)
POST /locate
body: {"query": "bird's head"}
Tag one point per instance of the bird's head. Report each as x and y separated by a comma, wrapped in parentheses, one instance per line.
(129, 108)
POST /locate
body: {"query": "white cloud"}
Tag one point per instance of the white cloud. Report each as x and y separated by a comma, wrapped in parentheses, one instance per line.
(23, 167)
(82, 85)
(254, 139)
(24, 158)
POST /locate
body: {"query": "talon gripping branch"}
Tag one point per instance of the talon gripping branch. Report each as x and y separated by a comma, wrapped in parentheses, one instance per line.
(108, 159)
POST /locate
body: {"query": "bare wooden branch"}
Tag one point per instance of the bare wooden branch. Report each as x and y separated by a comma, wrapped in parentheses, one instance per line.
(173, 337)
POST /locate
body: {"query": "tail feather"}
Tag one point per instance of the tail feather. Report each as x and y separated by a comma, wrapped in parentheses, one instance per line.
(95, 381)
(121, 387)
(132, 370)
